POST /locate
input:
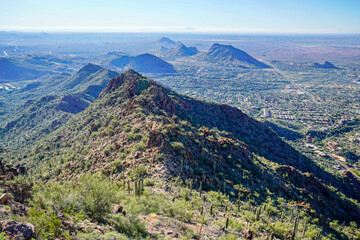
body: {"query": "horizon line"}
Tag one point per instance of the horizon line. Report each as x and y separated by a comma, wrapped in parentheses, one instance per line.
(182, 30)
(185, 32)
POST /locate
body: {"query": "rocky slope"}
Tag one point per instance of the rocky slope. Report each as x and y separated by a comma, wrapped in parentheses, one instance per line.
(143, 161)
(136, 121)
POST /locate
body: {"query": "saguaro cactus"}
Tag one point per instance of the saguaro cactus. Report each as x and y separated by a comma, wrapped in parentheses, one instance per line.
(304, 229)
(295, 228)
(128, 183)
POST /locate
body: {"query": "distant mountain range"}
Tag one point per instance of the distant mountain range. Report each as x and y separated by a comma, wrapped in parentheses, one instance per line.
(178, 52)
(325, 65)
(228, 55)
(89, 80)
(63, 96)
(31, 66)
(165, 41)
(112, 55)
(13, 71)
(146, 63)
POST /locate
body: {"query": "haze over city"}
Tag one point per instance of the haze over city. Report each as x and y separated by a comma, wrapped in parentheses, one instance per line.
(229, 16)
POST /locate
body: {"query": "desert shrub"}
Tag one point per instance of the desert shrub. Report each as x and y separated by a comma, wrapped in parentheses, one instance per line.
(236, 225)
(217, 199)
(94, 134)
(139, 171)
(181, 209)
(149, 182)
(160, 156)
(4, 237)
(312, 231)
(135, 130)
(92, 196)
(47, 224)
(130, 225)
(134, 136)
(127, 128)
(117, 165)
(108, 149)
(147, 203)
(98, 197)
(178, 146)
(122, 156)
(228, 236)
(185, 194)
(110, 132)
(281, 229)
(139, 147)
(99, 236)
(114, 122)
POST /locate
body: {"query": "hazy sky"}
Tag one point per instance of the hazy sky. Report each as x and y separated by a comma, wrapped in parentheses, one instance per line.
(249, 16)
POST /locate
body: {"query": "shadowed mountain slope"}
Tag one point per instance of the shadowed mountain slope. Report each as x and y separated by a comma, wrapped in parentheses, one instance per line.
(10, 70)
(325, 65)
(87, 81)
(62, 96)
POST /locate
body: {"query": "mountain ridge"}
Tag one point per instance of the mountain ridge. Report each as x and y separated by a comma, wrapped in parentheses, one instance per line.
(62, 96)
(178, 52)
(140, 122)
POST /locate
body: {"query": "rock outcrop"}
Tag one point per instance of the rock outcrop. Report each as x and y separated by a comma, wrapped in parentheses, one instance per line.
(18, 231)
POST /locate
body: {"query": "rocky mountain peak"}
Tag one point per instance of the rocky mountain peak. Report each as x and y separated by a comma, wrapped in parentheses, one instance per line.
(90, 68)
(166, 40)
(229, 55)
(130, 77)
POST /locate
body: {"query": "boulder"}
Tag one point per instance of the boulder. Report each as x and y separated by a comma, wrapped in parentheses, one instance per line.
(156, 139)
(4, 198)
(18, 230)
(4, 214)
(247, 233)
(21, 170)
(118, 208)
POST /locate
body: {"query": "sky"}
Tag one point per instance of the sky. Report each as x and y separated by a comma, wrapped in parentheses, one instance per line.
(208, 16)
